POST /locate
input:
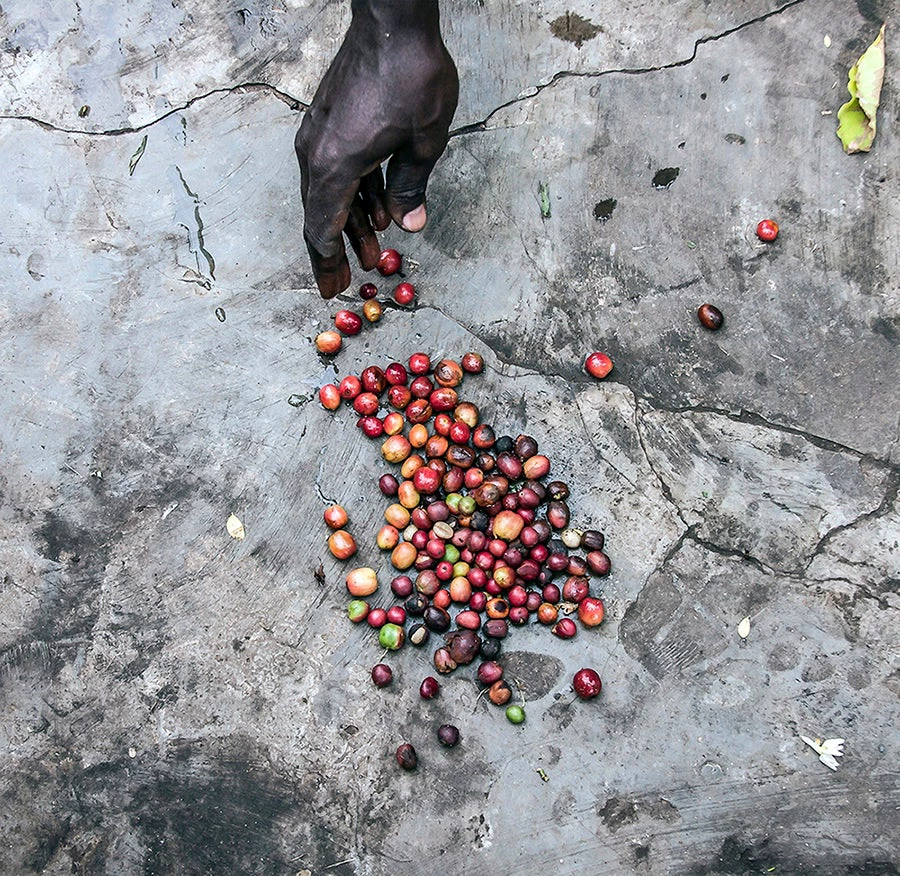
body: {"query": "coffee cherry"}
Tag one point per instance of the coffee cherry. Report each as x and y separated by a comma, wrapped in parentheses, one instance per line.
(406, 756)
(405, 294)
(448, 735)
(389, 262)
(767, 230)
(328, 342)
(598, 365)
(587, 683)
(382, 675)
(710, 316)
(347, 322)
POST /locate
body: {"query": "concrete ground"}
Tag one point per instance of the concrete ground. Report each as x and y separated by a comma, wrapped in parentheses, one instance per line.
(175, 701)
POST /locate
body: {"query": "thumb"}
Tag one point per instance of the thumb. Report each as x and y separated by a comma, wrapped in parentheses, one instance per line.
(406, 181)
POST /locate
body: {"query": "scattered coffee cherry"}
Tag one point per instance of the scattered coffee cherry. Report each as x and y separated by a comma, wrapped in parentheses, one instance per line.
(357, 610)
(396, 374)
(372, 311)
(587, 683)
(591, 611)
(429, 688)
(389, 262)
(362, 581)
(405, 294)
(564, 628)
(391, 636)
(343, 546)
(599, 563)
(710, 316)
(347, 322)
(396, 614)
(767, 230)
(371, 426)
(419, 634)
(330, 397)
(376, 618)
(472, 363)
(598, 365)
(420, 363)
(382, 675)
(329, 342)
(336, 517)
(448, 735)
(571, 538)
(500, 693)
(406, 756)
(515, 714)
(368, 291)
(350, 387)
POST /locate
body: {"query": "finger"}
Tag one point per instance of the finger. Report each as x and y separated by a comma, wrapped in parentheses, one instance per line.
(332, 272)
(407, 180)
(371, 188)
(327, 193)
(362, 238)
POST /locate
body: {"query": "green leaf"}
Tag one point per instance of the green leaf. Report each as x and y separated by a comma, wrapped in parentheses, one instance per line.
(544, 195)
(137, 156)
(856, 118)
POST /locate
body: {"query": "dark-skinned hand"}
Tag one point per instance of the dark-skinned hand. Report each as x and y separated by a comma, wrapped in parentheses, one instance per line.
(389, 95)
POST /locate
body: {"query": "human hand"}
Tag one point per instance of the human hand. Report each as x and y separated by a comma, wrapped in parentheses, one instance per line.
(390, 93)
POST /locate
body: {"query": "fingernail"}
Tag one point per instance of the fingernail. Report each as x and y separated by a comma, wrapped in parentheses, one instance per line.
(415, 220)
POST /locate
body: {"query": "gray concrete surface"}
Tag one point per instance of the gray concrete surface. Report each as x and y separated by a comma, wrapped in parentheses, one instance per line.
(174, 701)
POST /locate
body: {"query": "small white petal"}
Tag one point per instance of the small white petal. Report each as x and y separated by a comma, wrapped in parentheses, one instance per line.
(234, 527)
(744, 627)
(829, 761)
(812, 743)
(833, 746)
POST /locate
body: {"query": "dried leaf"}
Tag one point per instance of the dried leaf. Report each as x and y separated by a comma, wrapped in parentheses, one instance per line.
(234, 527)
(744, 627)
(856, 118)
(137, 156)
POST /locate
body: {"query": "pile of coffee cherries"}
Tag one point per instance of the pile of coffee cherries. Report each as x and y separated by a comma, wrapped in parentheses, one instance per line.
(478, 535)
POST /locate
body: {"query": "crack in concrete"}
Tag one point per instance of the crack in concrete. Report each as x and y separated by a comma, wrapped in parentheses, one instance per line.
(535, 90)
(475, 127)
(663, 484)
(884, 507)
(734, 553)
(293, 102)
(752, 418)
(800, 572)
(600, 454)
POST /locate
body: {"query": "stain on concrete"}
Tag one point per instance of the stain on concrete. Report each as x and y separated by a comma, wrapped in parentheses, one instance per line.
(664, 177)
(603, 210)
(871, 10)
(617, 812)
(537, 674)
(782, 658)
(817, 669)
(572, 28)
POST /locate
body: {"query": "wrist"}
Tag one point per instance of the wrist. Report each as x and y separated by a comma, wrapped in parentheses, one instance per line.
(385, 18)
